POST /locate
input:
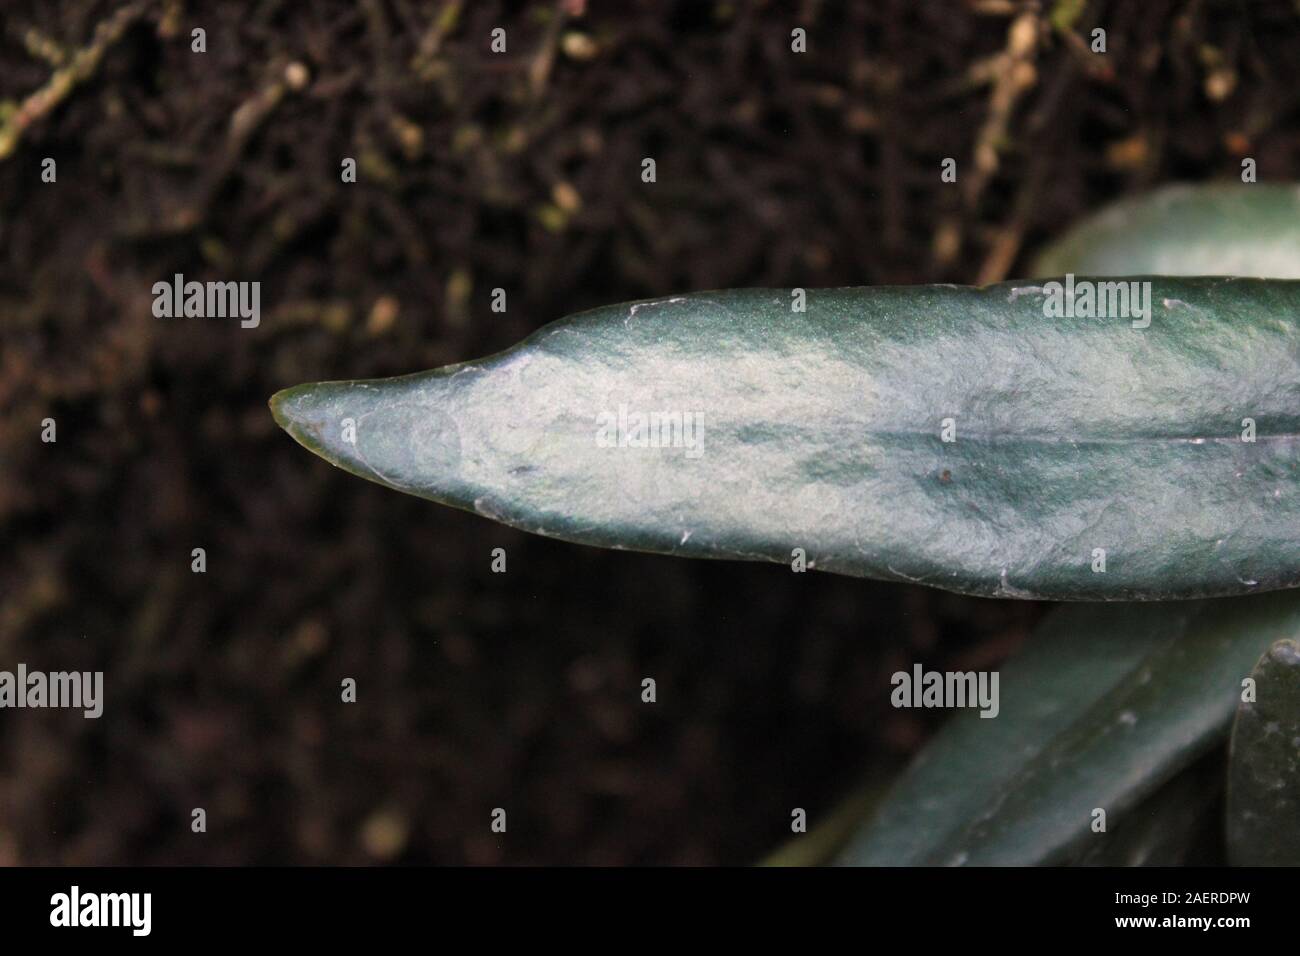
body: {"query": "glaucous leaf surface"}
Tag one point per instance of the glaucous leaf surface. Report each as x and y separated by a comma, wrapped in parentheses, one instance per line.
(724, 425)
(1215, 229)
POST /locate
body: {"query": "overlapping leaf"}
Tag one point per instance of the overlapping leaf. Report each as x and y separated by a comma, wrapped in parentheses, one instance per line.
(1107, 704)
(1264, 768)
(1215, 229)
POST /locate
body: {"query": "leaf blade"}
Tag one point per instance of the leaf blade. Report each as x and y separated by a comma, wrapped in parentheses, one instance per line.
(822, 431)
(1239, 229)
(1083, 731)
(1264, 764)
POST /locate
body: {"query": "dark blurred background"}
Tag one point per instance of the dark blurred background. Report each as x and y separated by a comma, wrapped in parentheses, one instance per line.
(521, 171)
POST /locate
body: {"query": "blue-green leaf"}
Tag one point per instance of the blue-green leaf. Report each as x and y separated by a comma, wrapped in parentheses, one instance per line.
(1106, 704)
(1215, 229)
(970, 439)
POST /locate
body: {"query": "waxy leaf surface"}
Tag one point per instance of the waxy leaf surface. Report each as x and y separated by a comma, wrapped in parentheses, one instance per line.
(1214, 229)
(1091, 458)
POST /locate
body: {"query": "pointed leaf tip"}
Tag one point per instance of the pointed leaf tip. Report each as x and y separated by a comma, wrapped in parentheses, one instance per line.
(395, 431)
(302, 412)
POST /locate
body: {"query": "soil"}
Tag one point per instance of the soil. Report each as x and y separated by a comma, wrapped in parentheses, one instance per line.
(521, 171)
